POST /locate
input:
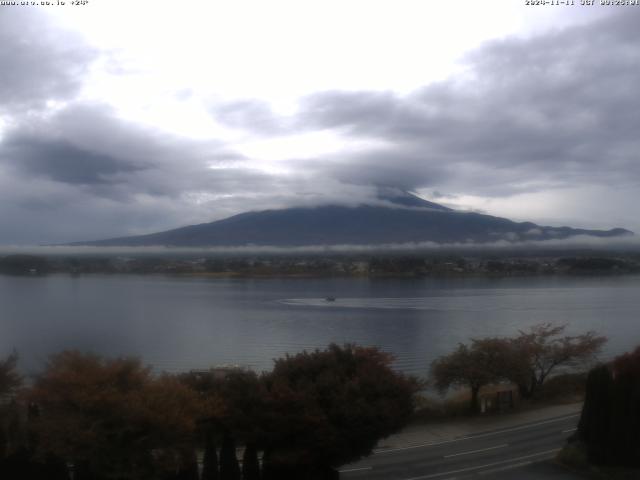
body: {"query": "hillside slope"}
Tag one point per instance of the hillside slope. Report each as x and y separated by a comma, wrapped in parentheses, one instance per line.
(406, 219)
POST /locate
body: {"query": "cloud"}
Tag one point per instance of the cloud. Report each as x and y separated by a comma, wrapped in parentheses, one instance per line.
(85, 173)
(526, 114)
(38, 62)
(381, 167)
(253, 115)
(89, 145)
(578, 242)
(64, 162)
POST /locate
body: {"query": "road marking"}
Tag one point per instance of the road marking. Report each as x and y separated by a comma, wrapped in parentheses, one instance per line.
(504, 469)
(469, 469)
(355, 469)
(569, 430)
(471, 437)
(475, 451)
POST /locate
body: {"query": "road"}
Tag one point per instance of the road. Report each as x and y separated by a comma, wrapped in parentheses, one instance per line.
(517, 452)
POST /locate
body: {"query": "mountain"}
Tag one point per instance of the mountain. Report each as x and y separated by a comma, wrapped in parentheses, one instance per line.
(395, 218)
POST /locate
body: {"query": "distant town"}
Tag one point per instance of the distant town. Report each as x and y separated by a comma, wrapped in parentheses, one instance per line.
(382, 265)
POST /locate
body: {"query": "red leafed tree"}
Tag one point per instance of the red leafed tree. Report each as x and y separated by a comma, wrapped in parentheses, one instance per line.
(474, 366)
(330, 407)
(112, 417)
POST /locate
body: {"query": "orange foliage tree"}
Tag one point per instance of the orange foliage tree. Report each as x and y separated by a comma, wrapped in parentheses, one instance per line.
(112, 418)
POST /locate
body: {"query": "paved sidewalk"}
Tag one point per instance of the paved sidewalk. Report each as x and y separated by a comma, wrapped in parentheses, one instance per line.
(442, 431)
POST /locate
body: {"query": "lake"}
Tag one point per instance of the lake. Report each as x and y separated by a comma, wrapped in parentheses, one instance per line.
(180, 323)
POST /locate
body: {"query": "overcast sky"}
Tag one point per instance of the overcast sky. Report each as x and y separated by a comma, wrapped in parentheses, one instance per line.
(120, 117)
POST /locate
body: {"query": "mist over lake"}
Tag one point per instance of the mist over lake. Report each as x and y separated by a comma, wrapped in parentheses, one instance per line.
(178, 323)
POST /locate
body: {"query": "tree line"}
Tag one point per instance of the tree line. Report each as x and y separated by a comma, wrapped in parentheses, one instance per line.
(115, 418)
(103, 419)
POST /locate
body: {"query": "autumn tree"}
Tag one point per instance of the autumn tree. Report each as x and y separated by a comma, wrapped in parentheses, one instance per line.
(542, 349)
(474, 366)
(330, 407)
(526, 360)
(112, 418)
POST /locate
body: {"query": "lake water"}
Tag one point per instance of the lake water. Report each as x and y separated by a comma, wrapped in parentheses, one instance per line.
(177, 324)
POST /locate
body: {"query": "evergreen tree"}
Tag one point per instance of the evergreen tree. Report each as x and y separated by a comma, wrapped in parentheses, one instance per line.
(250, 464)
(267, 466)
(210, 460)
(4, 444)
(229, 468)
(610, 421)
(624, 440)
(188, 465)
(82, 471)
(18, 464)
(55, 468)
(595, 420)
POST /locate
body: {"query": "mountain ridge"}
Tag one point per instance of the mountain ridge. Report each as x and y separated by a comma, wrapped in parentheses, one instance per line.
(395, 218)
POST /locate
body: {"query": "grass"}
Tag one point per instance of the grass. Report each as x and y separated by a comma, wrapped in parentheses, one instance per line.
(559, 390)
(565, 388)
(428, 408)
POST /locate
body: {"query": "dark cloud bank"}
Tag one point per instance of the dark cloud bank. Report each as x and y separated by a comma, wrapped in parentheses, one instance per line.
(37, 61)
(550, 111)
(561, 109)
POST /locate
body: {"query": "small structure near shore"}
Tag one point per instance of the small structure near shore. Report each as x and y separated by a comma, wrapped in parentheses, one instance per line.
(498, 401)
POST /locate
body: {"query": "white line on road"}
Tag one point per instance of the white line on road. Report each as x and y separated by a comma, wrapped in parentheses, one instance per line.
(475, 451)
(471, 437)
(505, 468)
(469, 469)
(569, 430)
(355, 469)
